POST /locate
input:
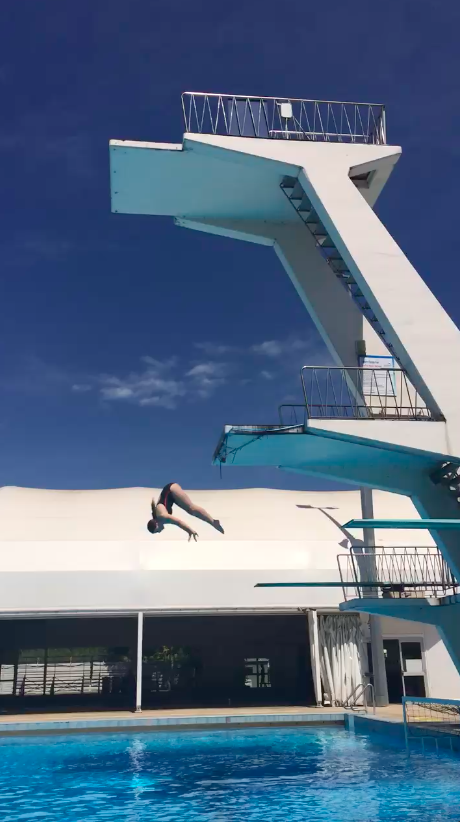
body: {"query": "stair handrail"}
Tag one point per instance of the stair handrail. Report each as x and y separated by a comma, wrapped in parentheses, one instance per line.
(350, 696)
(360, 691)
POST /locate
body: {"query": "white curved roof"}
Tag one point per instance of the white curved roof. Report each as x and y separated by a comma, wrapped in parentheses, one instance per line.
(90, 550)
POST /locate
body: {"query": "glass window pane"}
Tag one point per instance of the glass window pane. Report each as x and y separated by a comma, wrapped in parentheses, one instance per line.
(411, 653)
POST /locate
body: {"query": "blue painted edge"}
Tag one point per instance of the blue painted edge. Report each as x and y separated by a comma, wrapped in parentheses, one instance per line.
(378, 725)
(321, 584)
(419, 524)
(428, 700)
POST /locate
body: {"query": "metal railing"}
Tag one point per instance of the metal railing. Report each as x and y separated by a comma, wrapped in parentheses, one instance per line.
(395, 573)
(360, 692)
(351, 392)
(285, 118)
(429, 721)
(292, 414)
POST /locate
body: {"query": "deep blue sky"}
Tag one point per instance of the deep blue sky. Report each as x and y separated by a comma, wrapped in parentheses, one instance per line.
(88, 297)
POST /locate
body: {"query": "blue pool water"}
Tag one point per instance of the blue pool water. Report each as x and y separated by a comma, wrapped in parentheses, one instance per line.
(271, 775)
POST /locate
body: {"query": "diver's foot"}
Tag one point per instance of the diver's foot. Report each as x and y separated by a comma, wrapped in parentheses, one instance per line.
(218, 526)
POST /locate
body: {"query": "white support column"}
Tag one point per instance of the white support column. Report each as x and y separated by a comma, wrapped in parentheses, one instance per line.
(398, 296)
(140, 636)
(314, 653)
(378, 656)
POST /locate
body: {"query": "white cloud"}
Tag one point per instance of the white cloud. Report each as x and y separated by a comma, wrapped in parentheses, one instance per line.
(160, 365)
(81, 388)
(212, 349)
(164, 383)
(292, 345)
(160, 402)
(206, 369)
(205, 377)
(147, 387)
(116, 392)
(270, 348)
(159, 385)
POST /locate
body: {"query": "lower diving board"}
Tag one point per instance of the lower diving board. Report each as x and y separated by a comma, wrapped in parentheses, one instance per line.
(406, 524)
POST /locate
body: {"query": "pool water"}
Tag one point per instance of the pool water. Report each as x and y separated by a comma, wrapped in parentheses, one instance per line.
(271, 775)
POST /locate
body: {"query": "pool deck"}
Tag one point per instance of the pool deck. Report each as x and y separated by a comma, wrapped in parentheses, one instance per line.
(191, 718)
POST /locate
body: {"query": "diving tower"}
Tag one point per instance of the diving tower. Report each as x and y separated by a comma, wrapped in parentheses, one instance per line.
(303, 176)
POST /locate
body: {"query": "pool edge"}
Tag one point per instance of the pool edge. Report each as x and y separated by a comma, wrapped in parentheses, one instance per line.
(181, 723)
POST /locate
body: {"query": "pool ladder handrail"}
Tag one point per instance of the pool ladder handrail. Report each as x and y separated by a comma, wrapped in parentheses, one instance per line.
(357, 693)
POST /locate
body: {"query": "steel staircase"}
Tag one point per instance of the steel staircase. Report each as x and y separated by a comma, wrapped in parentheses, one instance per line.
(296, 195)
(449, 475)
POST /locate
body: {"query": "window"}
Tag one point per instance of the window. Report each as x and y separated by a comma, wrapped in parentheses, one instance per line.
(257, 673)
(411, 656)
(167, 668)
(412, 667)
(54, 671)
(362, 180)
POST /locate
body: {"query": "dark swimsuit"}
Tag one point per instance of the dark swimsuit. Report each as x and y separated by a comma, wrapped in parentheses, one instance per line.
(167, 498)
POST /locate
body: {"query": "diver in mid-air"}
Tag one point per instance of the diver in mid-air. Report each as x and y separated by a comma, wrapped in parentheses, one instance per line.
(173, 494)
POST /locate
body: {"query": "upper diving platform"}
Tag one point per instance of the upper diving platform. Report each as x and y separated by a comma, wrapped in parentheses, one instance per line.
(284, 118)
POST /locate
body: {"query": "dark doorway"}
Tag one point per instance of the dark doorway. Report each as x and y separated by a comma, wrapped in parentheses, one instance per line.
(404, 669)
(393, 670)
(226, 660)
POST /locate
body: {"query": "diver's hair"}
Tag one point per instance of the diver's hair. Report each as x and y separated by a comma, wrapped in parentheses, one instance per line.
(152, 525)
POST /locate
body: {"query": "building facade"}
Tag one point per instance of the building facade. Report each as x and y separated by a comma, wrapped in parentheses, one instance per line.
(96, 611)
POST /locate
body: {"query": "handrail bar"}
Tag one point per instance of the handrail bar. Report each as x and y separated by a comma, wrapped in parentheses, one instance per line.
(292, 406)
(396, 571)
(284, 99)
(363, 392)
(359, 691)
(355, 689)
(284, 117)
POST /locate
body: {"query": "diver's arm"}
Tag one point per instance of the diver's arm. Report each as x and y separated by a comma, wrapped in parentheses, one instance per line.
(170, 519)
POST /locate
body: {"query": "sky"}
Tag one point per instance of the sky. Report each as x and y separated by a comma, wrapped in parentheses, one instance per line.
(122, 350)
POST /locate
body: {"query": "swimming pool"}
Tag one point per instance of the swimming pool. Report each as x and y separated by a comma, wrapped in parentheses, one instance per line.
(313, 774)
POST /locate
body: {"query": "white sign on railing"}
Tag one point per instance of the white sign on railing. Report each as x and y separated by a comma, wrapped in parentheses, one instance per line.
(379, 381)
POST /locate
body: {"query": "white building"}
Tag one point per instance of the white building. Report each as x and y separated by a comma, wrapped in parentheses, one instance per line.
(78, 567)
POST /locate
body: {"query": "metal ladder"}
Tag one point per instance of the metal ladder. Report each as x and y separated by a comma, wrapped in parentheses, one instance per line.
(293, 190)
(361, 691)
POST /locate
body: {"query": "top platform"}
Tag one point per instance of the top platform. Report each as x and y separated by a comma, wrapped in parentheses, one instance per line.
(284, 118)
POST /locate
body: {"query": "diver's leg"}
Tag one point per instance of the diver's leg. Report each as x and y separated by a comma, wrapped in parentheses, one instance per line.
(183, 501)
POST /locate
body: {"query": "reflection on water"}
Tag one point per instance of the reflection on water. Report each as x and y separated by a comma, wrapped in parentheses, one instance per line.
(266, 775)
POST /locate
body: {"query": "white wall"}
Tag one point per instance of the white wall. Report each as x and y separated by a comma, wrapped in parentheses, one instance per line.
(442, 679)
(91, 549)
